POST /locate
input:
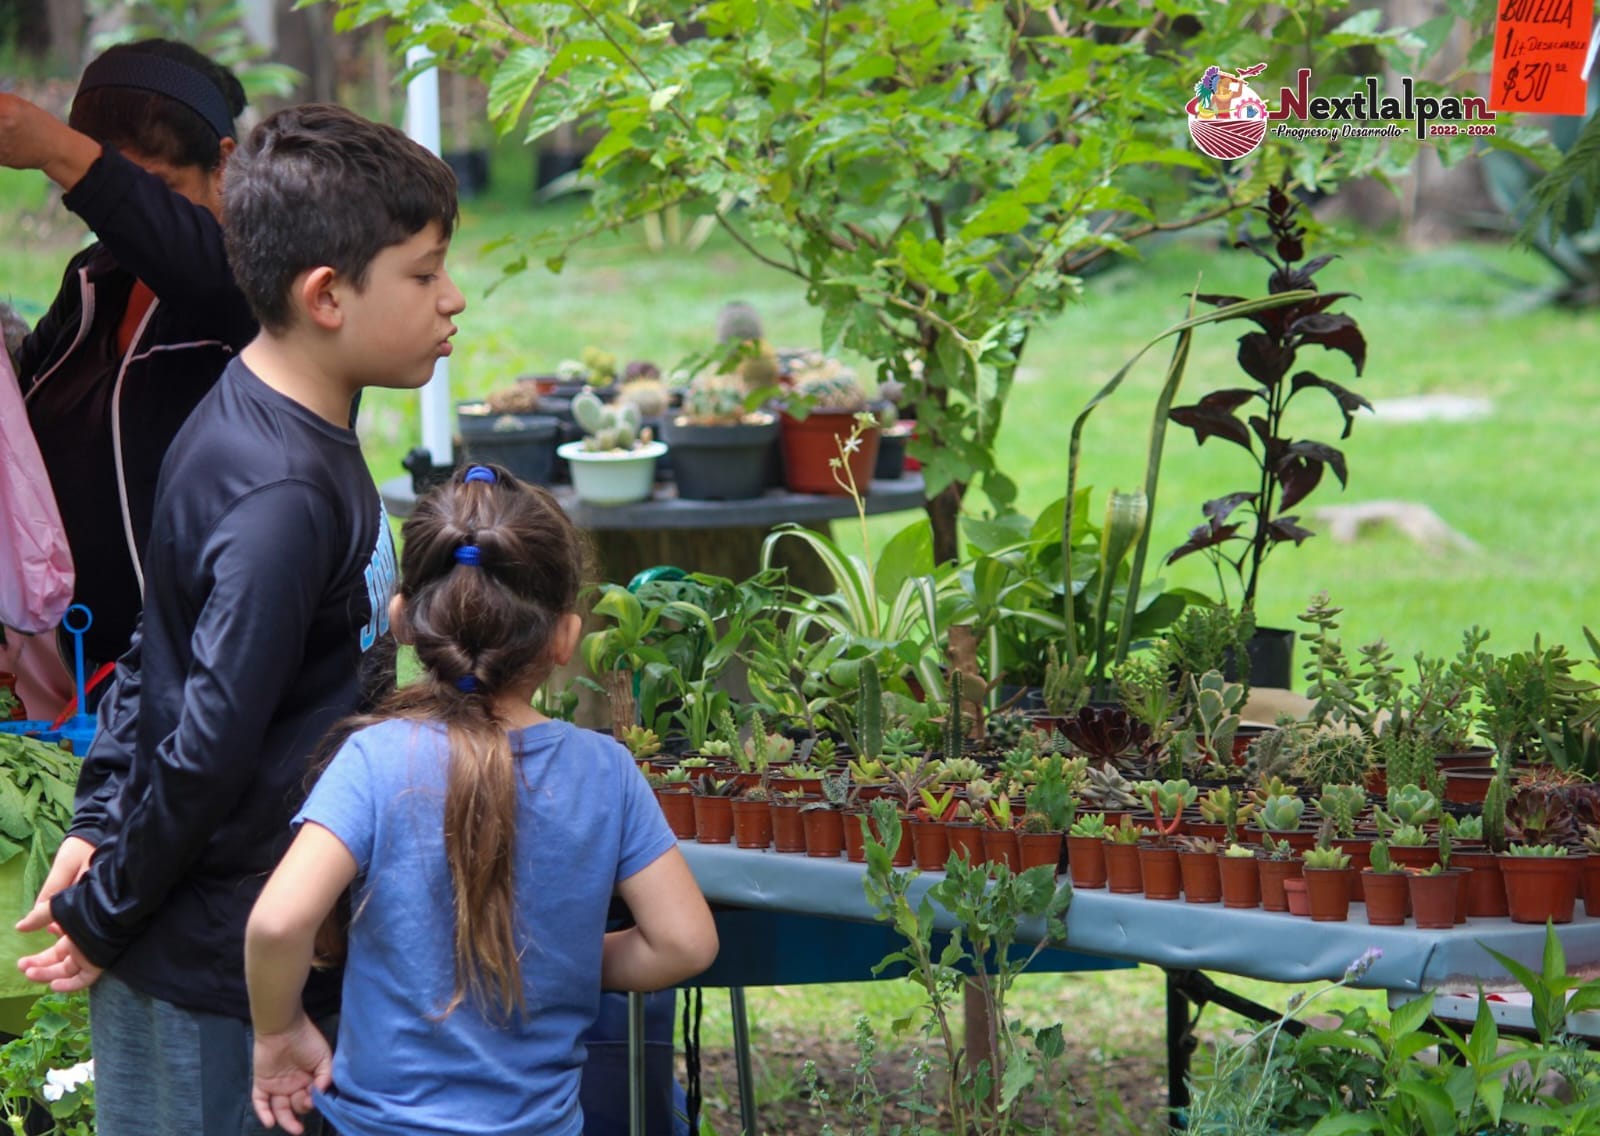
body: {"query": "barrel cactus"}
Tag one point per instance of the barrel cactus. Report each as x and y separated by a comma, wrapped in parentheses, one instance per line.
(606, 428)
(836, 392)
(710, 403)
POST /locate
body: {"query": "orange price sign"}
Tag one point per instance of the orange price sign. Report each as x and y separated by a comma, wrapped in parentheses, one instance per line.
(1539, 52)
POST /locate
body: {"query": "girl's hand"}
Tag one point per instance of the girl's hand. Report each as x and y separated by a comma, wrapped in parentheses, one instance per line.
(62, 965)
(287, 1066)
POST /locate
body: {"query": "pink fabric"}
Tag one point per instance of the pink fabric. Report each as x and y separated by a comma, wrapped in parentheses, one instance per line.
(43, 683)
(35, 563)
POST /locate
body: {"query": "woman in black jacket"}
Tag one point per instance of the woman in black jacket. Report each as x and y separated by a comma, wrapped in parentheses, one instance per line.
(146, 317)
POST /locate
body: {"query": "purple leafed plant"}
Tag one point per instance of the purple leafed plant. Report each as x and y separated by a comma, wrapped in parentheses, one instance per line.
(1289, 468)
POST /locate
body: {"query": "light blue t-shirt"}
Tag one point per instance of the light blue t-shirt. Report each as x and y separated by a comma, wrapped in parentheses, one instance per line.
(586, 820)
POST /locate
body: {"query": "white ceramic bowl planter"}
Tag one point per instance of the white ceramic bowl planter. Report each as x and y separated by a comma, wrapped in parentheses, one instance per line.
(612, 477)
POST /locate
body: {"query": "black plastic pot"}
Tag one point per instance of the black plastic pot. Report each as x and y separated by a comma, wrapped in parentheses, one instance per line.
(1271, 656)
(720, 463)
(525, 444)
(891, 463)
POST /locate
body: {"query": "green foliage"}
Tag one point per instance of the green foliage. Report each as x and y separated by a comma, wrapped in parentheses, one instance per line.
(215, 28)
(37, 781)
(1341, 804)
(606, 428)
(869, 711)
(1326, 858)
(641, 741)
(1527, 695)
(1379, 857)
(1494, 813)
(1412, 805)
(988, 906)
(1334, 757)
(1089, 824)
(57, 1038)
(1280, 813)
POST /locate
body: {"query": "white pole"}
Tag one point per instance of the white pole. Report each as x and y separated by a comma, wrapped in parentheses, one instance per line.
(422, 124)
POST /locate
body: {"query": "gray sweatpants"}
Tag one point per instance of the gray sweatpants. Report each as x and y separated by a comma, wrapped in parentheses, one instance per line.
(161, 1069)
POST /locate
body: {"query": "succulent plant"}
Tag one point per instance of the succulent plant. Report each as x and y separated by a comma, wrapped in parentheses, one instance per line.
(1280, 813)
(641, 742)
(823, 751)
(1008, 728)
(1326, 859)
(1540, 813)
(1195, 845)
(979, 792)
(1037, 823)
(712, 402)
(1408, 836)
(1127, 832)
(1465, 828)
(1341, 804)
(1105, 788)
(607, 428)
(706, 785)
(649, 395)
(800, 771)
(717, 747)
(1105, 733)
(901, 743)
(738, 322)
(1274, 754)
(1089, 824)
(1379, 857)
(1239, 852)
(960, 769)
(1536, 850)
(840, 391)
(677, 776)
(521, 397)
(600, 366)
(1338, 756)
(1410, 805)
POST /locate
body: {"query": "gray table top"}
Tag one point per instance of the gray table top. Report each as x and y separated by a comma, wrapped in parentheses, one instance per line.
(666, 511)
(1273, 946)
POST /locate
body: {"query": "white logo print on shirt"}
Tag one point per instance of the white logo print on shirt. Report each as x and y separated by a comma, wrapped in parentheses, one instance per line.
(380, 576)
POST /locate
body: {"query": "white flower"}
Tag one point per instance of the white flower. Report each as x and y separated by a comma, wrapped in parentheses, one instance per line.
(59, 1082)
(851, 444)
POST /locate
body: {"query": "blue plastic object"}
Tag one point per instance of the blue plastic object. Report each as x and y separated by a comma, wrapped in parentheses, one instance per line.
(80, 728)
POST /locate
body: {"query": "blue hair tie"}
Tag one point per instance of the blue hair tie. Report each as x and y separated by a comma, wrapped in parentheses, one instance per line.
(479, 473)
(466, 684)
(469, 554)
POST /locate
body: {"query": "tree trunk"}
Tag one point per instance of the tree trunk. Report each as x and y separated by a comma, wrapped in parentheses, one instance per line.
(305, 42)
(66, 23)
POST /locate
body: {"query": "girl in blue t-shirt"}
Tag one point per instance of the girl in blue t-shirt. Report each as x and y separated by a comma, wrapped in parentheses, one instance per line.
(483, 842)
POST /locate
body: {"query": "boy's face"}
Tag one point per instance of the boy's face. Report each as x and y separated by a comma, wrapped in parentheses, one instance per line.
(399, 325)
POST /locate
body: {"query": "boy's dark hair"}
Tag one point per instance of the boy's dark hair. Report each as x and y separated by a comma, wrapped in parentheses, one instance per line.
(155, 125)
(318, 185)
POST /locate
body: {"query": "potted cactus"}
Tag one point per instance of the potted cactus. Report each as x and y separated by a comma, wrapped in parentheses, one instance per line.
(819, 427)
(719, 448)
(509, 428)
(615, 463)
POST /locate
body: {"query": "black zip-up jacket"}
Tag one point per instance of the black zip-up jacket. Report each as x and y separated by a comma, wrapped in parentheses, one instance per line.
(104, 418)
(270, 570)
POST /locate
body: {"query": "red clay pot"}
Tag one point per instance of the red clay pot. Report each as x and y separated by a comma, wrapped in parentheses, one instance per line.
(713, 820)
(1376, 782)
(1123, 874)
(1486, 887)
(677, 805)
(1406, 856)
(1039, 850)
(1086, 861)
(1301, 840)
(1541, 887)
(1158, 868)
(930, 844)
(903, 855)
(811, 443)
(1359, 849)
(1295, 896)
(855, 843)
(1463, 887)
(1468, 786)
(1241, 881)
(1591, 885)
(824, 832)
(1202, 877)
(1328, 889)
(1433, 900)
(1211, 830)
(788, 827)
(966, 840)
(752, 823)
(1000, 847)
(1273, 873)
(1388, 895)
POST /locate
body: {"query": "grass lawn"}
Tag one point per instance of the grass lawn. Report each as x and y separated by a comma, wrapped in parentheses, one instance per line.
(1454, 320)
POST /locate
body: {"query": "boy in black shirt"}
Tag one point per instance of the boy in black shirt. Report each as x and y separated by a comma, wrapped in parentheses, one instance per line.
(270, 565)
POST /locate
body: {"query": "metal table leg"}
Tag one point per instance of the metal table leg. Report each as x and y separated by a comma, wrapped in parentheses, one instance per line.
(636, 1069)
(741, 1058)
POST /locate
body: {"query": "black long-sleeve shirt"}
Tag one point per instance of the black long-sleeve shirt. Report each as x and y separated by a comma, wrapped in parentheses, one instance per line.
(104, 418)
(270, 565)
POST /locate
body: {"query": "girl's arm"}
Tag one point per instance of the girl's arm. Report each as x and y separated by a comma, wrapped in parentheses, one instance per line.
(673, 937)
(291, 1055)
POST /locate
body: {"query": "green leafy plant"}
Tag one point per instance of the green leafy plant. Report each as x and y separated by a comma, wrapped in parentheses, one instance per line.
(1536, 850)
(37, 781)
(1410, 805)
(1333, 858)
(1239, 851)
(1126, 832)
(1091, 825)
(1280, 813)
(641, 741)
(42, 1073)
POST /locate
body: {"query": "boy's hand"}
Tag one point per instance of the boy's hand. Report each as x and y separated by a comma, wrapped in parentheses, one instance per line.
(62, 965)
(287, 1066)
(71, 862)
(35, 139)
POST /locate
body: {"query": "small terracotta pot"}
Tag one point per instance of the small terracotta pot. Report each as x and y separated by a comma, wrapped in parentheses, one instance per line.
(1211, 830)
(824, 832)
(1295, 896)
(1202, 877)
(1591, 886)
(1433, 900)
(1376, 782)
(788, 827)
(1541, 887)
(1123, 874)
(1486, 887)
(1388, 895)
(966, 840)
(1158, 869)
(1039, 850)
(1359, 849)
(855, 843)
(1241, 881)
(677, 805)
(1328, 890)
(1086, 861)
(930, 844)
(1468, 786)
(1000, 847)
(1301, 839)
(903, 855)
(752, 823)
(1273, 873)
(810, 444)
(1463, 888)
(713, 820)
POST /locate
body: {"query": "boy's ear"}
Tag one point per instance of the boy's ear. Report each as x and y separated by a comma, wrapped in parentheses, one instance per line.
(398, 627)
(564, 643)
(314, 293)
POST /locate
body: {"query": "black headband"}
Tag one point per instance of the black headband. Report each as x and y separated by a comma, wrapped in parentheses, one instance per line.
(163, 76)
